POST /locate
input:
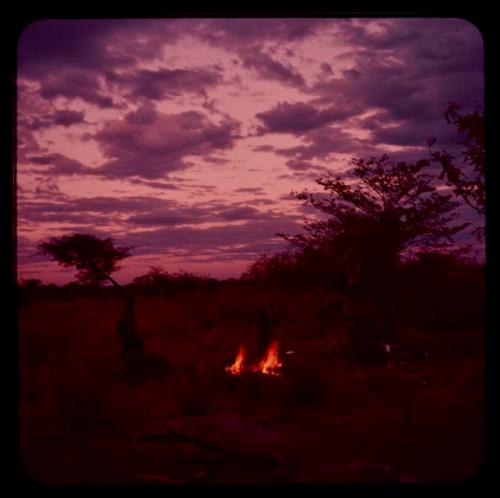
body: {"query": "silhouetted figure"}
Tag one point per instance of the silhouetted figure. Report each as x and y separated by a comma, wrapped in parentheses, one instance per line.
(263, 332)
(132, 344)
(364, 322)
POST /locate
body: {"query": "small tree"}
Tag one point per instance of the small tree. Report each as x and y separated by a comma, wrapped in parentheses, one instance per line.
(28, 289)
(30, 283)
(155, 277)
(267, 267)
(468, 178)
(94, 258)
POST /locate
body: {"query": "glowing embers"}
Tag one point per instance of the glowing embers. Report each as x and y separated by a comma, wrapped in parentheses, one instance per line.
(268, 365)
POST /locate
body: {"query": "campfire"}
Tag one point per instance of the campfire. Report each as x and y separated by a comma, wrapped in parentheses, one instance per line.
(237, 367)
(268, 365)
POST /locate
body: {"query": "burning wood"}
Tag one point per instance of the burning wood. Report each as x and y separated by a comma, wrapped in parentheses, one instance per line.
(237, 367)
(269, 364)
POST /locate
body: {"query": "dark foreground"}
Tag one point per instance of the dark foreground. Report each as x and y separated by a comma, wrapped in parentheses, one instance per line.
(324, 419)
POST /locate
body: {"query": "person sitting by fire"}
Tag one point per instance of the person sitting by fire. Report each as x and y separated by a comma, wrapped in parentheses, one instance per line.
(126, 326)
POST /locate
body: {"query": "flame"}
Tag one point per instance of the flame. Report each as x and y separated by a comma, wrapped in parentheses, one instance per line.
(269, 364)
(237, 367)
(270, 361)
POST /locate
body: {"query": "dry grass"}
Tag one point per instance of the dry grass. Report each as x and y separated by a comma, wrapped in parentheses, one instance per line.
(82, 418)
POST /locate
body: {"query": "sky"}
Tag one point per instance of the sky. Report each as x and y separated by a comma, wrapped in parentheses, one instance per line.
(184, 138)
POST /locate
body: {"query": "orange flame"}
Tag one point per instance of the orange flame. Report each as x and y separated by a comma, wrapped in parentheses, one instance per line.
(270, 361)
(269, 364)
(237, 367)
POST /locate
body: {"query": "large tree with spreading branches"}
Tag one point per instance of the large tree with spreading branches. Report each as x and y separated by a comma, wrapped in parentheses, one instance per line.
(381, 210)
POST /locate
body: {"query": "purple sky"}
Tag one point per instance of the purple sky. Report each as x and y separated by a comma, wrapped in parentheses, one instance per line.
(185, 137)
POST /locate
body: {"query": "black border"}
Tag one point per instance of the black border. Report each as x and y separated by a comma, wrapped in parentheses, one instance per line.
(24, 484)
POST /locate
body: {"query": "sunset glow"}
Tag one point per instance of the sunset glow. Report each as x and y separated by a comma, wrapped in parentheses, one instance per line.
(185, 137)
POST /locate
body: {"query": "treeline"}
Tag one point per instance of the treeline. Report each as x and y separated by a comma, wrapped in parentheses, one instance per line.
(431, 290)
(435, 291)
(155, 282)
(382, 244)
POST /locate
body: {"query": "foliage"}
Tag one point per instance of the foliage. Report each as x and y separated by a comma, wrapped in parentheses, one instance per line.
(94, 258)
(384, 208)
(30, 283)
(468, 178)
(158, 279)
(278, 265)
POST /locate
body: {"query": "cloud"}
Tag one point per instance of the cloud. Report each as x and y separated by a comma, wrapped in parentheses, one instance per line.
(259, 202)
(163, 219)
(238, 231)
(33, 123)
(326, 68)
(47, 188)
(58, 164)
(76, 84)
(249, 190)
(67, 117)
(299, 117)
(388, 35)
(299, 165)
(406, 71)
(48, 44)
(150, 144)
(239, 213)
(251, 237)
(160, 83)
(375, 85)
(101, 46)
(321, 143)
(263, 148)
(154, 184)
(443, 44)
(408, 133)
(248, 31)
(91, 45)
(271, 69)
(178, 214)
(88, 211)
(63, 117)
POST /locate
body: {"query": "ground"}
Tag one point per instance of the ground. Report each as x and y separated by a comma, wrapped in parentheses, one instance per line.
(324, 419)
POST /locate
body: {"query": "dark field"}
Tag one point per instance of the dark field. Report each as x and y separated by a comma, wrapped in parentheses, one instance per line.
(184, 419)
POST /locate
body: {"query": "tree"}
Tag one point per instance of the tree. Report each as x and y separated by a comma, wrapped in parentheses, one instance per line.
(30, 283)
(94, 258)
(383, 209)
(156, 277)
(28, 289)
(468, 178)
(268, 267)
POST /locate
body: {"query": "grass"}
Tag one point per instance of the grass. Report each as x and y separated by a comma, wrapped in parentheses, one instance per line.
(331, 420)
